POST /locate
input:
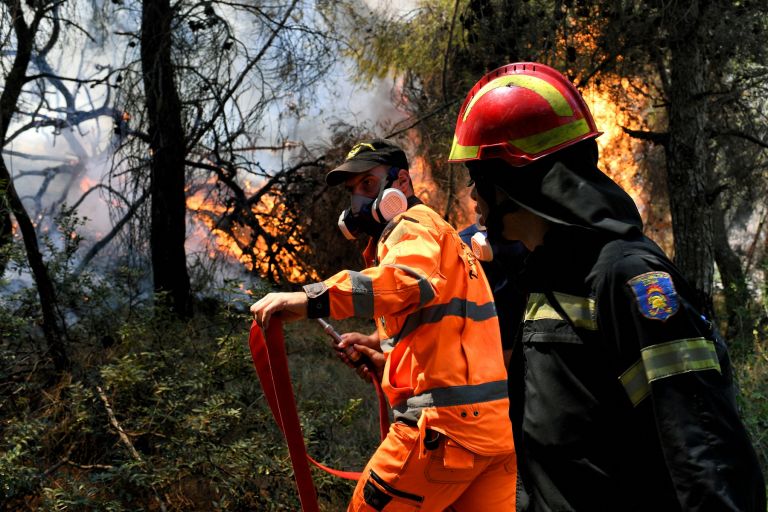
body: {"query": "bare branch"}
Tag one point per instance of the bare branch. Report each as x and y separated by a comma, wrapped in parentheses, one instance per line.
(98, 246)
(39, 76)
(124, 438)
(220, 110)
(660, 138)
(27, 156)
(102, 467)
(745, 136)
(423, 118)
(120, 432)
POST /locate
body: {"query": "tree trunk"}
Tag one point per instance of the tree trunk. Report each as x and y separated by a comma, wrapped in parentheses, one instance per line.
(688, 153)
(25, 35)
(167, 150)
(731, 272)
(6, 234)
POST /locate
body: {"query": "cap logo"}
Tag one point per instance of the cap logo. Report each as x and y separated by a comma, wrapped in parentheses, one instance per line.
(357, 147)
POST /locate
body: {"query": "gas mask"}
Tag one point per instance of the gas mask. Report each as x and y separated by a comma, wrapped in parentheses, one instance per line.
(370, 215)
(481, 246)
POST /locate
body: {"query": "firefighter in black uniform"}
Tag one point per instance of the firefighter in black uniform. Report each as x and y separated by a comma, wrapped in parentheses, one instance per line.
(629, 393)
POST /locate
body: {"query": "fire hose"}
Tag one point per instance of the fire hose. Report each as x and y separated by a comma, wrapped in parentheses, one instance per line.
(271, 363)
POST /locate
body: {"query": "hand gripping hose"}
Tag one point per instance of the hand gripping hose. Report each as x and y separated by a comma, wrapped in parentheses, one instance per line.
(272, 368)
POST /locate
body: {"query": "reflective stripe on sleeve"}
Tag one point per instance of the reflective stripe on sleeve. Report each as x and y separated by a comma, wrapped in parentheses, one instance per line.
(580, 310)
(362, 294)
(679, 356)
(665, 360)
(426, 292)
(635, 383)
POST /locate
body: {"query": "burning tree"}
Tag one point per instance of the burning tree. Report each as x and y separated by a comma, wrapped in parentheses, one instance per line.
(285, 229)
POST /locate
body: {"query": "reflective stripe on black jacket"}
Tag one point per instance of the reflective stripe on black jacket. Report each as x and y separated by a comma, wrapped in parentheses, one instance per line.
(629, 392)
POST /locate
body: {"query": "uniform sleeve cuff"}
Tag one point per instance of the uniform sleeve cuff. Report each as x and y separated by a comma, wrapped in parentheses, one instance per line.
(318, 301)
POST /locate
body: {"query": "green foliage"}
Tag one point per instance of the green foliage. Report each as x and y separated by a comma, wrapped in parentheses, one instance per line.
(752, 375)
(188, 400)
(381, 44)
(199, 433)
(748, 348)
(20, 447)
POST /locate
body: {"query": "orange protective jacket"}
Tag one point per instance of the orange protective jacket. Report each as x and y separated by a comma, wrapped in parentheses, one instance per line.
(438, 329)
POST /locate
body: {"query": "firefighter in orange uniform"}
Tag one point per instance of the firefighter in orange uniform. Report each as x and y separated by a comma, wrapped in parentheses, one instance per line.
(450, 446)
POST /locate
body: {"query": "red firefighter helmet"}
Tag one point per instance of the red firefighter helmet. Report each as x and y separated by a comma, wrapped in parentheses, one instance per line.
(520, 112)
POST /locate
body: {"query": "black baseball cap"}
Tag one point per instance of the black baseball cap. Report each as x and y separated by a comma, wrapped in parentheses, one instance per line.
(364, 156)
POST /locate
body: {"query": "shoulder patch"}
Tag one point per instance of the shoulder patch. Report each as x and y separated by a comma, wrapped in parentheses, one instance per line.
(655, 295)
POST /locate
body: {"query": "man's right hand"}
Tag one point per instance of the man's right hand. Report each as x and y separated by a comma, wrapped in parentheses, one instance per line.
(289, 306)
(367, 345)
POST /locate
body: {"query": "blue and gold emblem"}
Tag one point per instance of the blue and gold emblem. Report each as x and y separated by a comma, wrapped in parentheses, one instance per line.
(655, 294)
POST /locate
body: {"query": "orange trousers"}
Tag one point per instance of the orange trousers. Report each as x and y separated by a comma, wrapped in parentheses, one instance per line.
(401, 477)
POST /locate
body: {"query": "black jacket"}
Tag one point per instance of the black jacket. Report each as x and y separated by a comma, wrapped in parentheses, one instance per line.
(607, 313)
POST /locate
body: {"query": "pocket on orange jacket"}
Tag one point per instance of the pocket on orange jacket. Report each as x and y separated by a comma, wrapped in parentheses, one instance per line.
(394, 453)
(451, 463)
(380, 496)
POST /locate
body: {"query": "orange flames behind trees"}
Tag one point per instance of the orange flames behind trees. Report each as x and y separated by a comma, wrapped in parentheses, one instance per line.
(617, 151)
(270, 245)
(269, 239)
(618, 104)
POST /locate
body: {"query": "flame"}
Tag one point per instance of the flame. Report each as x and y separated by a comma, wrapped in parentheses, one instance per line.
(238, 244)
(86, 184)
(207, 211)
(617, 149)
(621, 154)
(620, 101)
(436, 195)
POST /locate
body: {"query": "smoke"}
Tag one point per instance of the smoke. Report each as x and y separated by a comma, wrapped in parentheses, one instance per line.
(57, 166)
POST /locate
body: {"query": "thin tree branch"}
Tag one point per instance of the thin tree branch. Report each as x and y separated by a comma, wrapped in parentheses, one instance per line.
(39, 76)
(98, 246)
(125, 440)
(423, 118)
(661, 138)
(746, 136)
(448, 49)
(220, 110)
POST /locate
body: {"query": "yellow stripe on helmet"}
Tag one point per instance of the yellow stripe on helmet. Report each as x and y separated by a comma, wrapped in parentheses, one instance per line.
(542, 141)
(538, 85)
(531, 145)
(459, 152)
